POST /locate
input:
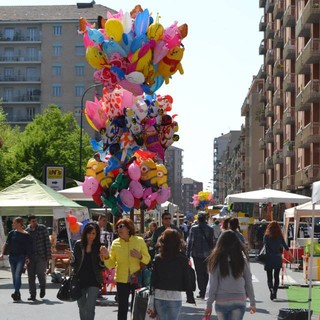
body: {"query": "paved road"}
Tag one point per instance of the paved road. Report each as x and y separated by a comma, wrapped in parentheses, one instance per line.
(50, 308)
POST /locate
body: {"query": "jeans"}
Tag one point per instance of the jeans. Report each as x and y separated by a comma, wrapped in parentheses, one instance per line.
(230, 310)
(167, 309)
(37, 267)
(124, 290)
(16, 264)
(87, 303)
(200, 265)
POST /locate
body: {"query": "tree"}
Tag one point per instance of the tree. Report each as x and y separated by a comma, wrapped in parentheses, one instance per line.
(8, 138)
(52, 139)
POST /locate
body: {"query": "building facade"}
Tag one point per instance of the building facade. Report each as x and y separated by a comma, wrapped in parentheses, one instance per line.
(42, 59)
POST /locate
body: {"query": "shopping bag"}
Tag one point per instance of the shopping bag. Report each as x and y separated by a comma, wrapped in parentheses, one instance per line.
(151, 313)
(70, 289)
(140, 303)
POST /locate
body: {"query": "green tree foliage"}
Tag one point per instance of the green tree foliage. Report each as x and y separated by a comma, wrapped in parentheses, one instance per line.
(53, 138)
(8, 138)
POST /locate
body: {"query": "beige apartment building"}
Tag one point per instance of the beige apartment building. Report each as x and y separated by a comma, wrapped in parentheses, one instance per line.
(42, 59)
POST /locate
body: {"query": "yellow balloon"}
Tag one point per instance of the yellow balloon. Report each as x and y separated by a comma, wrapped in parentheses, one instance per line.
(96, 58)
(114, 29)
(155, 31)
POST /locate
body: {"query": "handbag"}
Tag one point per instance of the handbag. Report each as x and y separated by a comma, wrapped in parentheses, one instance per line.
(70, 289)
(140, 303)
(262, 256)
(190, 276)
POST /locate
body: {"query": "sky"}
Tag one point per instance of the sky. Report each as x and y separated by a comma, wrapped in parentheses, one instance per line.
(221, 57)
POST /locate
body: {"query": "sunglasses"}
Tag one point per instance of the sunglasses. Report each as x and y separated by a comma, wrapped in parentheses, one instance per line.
(120, 226)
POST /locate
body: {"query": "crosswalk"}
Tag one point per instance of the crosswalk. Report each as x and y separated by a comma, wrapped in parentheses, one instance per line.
(287, 280)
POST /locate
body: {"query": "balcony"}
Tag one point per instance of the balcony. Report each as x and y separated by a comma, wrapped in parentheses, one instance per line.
(270, 6)
(311, 92)
(270, 30)
(278, 98)
(261, 117)
(278, 68)
(269, 83)
(289, 51)
(262, 72)
(262, 3)
(278, 39)
(302, 29)
(277, 185)
(278, 10)
(307, 176)
(22, 98)
(311, 52)
(19, 78)
(301, 66)
(270, 56)
(262, 144)
(289, 116)
(245, 107)
(307, 135)
(262, 96)
(269, 136)
(261, 168)
(269, 163)
(262, 24)
(269, 110)
(288, 149)
(277, 157)
(289, 82)
(288, 183)
(278, 127)
(289, 19)
(311, 12)
(262, 48)
(19, 59)
(299, 103)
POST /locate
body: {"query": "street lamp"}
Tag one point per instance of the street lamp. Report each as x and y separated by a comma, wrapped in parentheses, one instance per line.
(81, 124)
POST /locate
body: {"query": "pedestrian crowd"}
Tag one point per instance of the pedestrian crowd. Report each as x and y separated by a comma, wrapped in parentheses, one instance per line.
(162, 259)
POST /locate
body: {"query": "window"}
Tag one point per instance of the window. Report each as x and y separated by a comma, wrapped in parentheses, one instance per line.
(80, 50)
(57, 50)
(32, 74)
(79, 71)
(57, 30)
(32, 54)
(9, 54)
(32, 34)
(56, 90)
(79, 90)
(56, 71)
(8, 33)
(7, 94)
(8, 74)
(31, 113)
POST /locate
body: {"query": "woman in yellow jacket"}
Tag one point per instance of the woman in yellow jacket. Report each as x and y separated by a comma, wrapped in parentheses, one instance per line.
(126, 255)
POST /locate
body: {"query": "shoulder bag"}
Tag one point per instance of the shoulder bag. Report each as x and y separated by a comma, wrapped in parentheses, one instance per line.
(70, 289)
(262, 256)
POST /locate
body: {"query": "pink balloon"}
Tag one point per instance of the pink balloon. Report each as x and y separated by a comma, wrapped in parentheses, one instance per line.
(126, 198)
(134, 171)
(136, 189)
(163, 195)
(126, 99)
(90, 185)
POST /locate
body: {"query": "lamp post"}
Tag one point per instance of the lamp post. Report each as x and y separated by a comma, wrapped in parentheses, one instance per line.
(81, 124)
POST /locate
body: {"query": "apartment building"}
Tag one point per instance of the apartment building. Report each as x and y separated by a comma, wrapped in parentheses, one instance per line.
(291, 51)
(42, 59)
(190, 187)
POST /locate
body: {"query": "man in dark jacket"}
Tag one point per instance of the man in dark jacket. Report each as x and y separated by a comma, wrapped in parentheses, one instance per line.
(39, 260)
(200, 243)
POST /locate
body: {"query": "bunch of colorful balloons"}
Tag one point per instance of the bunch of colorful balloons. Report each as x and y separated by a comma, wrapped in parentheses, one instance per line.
(202, 199)
(133, 50)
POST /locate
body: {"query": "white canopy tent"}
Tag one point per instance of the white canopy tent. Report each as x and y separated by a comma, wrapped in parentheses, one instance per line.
(267, 196)
(75, 194)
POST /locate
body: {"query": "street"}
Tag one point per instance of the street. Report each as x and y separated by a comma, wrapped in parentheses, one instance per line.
(51, 308)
